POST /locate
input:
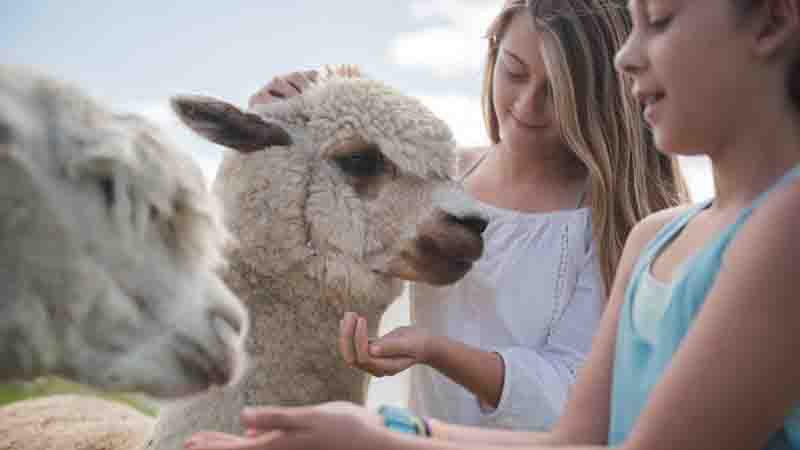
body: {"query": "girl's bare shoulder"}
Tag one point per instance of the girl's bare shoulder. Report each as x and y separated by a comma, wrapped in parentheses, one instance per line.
(647, 228)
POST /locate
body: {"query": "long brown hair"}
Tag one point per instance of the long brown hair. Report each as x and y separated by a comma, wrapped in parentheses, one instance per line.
(600, 120)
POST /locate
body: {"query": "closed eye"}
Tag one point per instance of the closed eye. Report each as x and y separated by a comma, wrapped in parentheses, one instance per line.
(660, 24)
(367, 162)
(513, 74)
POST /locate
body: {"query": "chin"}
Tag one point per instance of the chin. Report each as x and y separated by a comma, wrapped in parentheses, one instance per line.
(539, 139)
(677, 144)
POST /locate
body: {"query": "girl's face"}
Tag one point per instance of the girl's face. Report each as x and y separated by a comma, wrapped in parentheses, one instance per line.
(523, 99)
(691, 72)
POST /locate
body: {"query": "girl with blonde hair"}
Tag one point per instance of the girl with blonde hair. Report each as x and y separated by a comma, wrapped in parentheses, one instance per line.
(569, 171)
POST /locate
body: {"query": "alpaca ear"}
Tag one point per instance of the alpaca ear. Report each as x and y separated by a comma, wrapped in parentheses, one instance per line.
(227, 125)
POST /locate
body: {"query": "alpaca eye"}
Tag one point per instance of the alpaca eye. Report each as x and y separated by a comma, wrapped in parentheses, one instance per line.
(365, 163)
(107, 188)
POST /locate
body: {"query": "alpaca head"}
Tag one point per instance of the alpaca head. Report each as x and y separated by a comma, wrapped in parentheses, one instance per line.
(111, 241)
(352, 173)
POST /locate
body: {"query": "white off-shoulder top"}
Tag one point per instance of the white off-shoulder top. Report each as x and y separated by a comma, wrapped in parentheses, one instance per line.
(535, 298)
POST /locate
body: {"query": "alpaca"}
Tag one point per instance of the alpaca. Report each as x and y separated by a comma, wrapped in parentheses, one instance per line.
(335, 197)
(109, 241)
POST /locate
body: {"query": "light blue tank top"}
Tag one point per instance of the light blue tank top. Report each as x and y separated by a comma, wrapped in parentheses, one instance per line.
(638, 364)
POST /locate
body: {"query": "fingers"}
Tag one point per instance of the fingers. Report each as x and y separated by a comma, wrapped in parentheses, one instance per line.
(361, 342)
(393, 345)
(277, 89)
(356, 348)
(347, 329)
(209, 440)
(301, 80)
(262, 96)
(275, 418)
(282, 87)
(390, 366)
(378, 366)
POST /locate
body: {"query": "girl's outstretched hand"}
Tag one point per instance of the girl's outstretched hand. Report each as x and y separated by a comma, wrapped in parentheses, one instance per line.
(390, 354)
(336, 425)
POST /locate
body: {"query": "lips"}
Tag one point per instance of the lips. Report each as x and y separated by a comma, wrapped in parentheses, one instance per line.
(526, 124)
(649, 100)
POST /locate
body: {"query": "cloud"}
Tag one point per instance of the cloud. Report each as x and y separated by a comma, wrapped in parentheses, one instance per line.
(462, 113)
(204, 153)
(157, 111)
(453, 46)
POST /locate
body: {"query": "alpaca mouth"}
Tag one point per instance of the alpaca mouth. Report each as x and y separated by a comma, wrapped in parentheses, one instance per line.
(199, 365)
(441, 259)
(433, 271)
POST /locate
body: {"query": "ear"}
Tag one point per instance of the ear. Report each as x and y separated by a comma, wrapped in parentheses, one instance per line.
(227, 125)
(779, 26)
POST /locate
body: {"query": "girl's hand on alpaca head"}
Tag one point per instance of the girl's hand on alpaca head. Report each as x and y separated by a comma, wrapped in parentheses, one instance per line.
(284, 86)
(390, 354)
(336, 425)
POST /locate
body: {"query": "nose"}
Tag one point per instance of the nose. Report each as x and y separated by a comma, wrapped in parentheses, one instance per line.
(534, 97)
(629, 58)
(473, 223)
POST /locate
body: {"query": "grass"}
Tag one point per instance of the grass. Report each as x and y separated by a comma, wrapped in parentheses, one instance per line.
(41, 387)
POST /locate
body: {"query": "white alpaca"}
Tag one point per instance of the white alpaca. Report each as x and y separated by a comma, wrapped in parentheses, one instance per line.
(333, 197)
(108, 245)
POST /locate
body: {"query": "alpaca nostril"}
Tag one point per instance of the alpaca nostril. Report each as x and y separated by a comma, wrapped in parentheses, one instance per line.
(474, 223)
(234, 318)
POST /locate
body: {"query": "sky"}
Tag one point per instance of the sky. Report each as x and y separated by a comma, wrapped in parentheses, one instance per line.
(135, 55)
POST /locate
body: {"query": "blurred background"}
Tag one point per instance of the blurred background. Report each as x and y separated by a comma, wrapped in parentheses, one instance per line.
(134, 55)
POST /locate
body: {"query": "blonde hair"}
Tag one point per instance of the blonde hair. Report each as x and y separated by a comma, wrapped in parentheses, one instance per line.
(600, 120)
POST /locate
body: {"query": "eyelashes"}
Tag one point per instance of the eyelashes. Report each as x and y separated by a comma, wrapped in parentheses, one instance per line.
(660, 23)
(513, 74)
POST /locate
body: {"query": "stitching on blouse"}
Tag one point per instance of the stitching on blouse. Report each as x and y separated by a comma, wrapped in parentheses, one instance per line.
(560, 280)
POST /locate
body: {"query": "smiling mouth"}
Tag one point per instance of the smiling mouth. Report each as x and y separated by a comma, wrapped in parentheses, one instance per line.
(525, 124)
(650, 100)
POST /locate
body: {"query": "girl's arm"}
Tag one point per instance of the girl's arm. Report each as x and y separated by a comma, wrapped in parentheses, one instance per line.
(525, 387)
(735, 376)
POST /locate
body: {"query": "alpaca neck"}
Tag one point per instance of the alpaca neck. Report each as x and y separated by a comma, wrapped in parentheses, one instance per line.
(293, 342)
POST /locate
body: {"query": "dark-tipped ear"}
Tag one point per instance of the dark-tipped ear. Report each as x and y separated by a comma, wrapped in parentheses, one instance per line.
(227, 125)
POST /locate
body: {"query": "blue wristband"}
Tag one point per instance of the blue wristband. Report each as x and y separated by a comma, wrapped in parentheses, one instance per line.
(402, 421)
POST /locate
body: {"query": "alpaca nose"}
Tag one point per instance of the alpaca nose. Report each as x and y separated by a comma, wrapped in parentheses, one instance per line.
(473, 223)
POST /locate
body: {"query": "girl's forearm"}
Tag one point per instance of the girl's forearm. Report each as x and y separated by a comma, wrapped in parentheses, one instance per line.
(479, 371)
(466, 434)
(500, 441)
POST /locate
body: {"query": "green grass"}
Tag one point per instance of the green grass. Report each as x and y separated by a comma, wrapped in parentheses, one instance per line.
(41, 387)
